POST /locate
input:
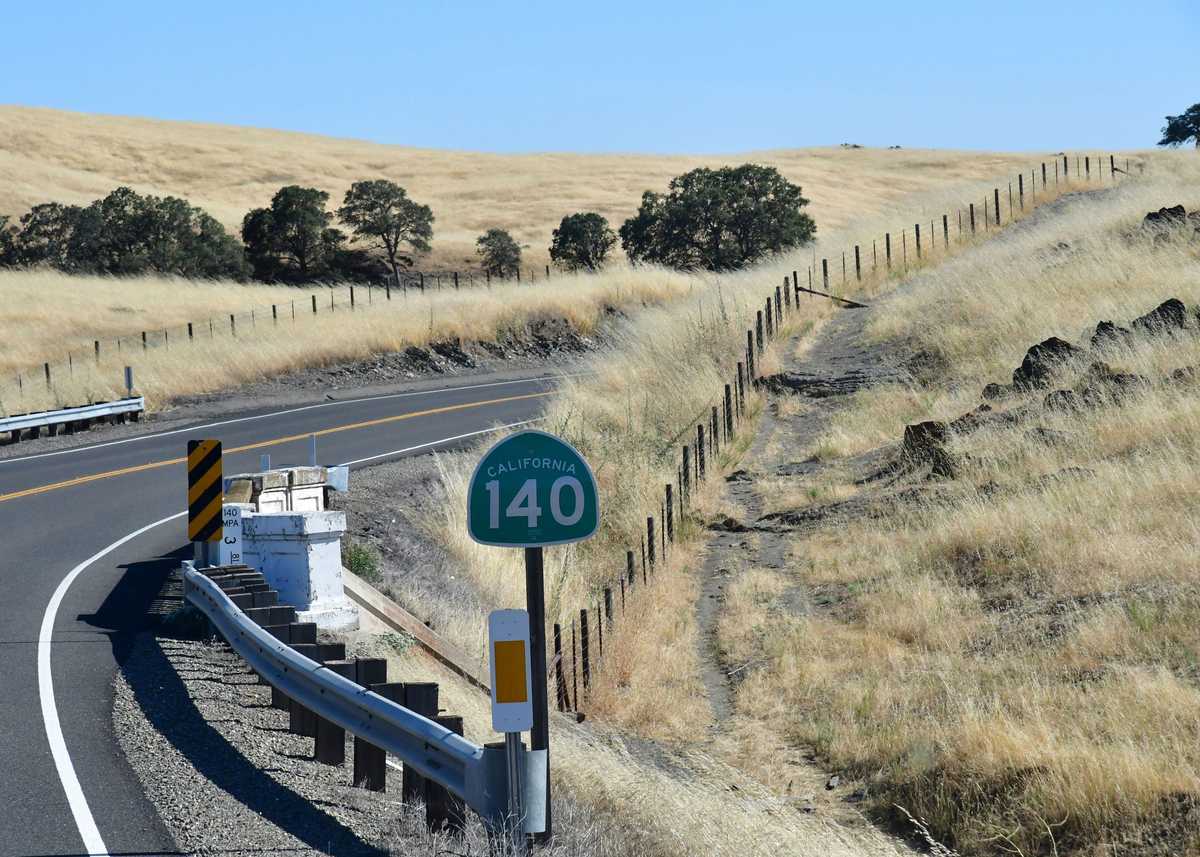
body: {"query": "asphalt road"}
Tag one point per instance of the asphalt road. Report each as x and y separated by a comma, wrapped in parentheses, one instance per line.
(58, 509)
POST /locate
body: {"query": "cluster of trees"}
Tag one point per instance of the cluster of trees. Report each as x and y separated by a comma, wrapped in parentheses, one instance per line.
(294, 239)
(123, 233)
(715, 220)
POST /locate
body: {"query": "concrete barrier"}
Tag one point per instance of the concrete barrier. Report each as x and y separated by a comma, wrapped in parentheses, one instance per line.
(300, 555)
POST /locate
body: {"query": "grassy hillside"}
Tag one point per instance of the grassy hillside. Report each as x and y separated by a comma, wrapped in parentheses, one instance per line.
(75, 158)
(1007, 646)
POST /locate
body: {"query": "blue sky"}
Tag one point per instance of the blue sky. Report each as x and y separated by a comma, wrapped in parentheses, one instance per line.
(617, 76)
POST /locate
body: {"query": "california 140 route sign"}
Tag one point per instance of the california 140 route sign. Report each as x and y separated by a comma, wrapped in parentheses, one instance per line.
(532, 489)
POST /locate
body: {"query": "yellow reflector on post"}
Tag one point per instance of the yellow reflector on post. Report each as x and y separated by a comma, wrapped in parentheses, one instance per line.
(510, 671)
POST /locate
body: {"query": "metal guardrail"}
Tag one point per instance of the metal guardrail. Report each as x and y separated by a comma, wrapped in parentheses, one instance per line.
(134, 405)
(475, 774)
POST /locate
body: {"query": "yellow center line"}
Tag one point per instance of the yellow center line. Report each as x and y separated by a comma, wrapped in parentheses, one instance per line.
(138, 468)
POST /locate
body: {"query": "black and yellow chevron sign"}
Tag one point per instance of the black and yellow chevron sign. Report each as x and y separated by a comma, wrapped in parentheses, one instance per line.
(206, 490)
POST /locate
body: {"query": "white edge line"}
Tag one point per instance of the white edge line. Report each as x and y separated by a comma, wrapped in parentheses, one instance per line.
(93, 843)
(435, 442)
(385, 397)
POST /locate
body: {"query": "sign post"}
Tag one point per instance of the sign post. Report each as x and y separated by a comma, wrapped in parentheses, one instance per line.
(530, 490)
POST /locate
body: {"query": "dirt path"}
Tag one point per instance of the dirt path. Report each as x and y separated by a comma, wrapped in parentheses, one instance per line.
(838, 363)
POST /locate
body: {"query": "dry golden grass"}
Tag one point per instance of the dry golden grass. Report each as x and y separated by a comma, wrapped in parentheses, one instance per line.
(660, 373)
(857, 194)
(1017, 665)
(262, 349)
(227, 170)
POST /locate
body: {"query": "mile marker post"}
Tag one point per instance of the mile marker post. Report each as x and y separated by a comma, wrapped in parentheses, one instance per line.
(532, 489)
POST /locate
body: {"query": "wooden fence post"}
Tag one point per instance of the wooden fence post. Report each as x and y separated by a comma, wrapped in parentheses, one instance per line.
(972, 218)
(574, 671)
(650, 543)
(1020, 191)
(728, 412)
(669, 516)
(887, 249)
(750, 355)
(758, 332)
(825, 274)
(741, 385)
(699, 453)
(917, 231)
(560, 684)
(946, 231)
(857, 265)
(583, 651)
(997, 205)
(630, 570)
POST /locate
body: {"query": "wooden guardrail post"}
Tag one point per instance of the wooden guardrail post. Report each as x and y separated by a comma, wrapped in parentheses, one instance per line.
(330, 745)
(370, 762)
(444, 811)
(421, 698)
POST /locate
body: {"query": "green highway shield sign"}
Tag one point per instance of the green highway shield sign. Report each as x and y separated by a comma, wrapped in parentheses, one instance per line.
(532, 489)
